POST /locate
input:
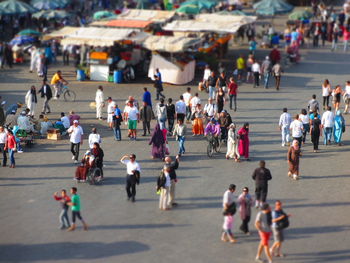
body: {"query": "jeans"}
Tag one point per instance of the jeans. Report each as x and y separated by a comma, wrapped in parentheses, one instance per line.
(171, 124)
(161, 122)
(305, 131)
(327, 134)
(74, 148)
(64, 219)
(45, 72)
(181, 140)
(130, 185)
(325, 101)
(159, 93)
(117, 133)
(188, 113)
(285, 135)
(346, 44)
(4, 154)
(234, 97)
(146, 127)
(212, 91)
(12, 156)
(266, 80)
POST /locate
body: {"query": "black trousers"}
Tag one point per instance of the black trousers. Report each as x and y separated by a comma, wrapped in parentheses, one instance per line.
(261, 193)
(315, 138)
(171, 124)
(4, 154)
(146, 124)
(256, 79)
(74, 148)
(325, 101)
(180, 116)
(130, 185)
(299, 139)
(244, 226)
(234, 98)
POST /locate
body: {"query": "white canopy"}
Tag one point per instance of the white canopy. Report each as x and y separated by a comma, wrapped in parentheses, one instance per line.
(210, 23)
(65, 31)
(147, 15)
(170, 44)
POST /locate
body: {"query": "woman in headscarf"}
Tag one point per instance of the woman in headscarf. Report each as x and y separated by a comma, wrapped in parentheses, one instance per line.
(98, 154)
(293, 156)
(158, 143)
(245, 201)
(197, 128)
(243, 145)
(31, 100)
(232, 143)
(339, 127)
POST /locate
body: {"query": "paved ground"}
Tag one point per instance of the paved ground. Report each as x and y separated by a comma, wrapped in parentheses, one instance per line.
(124, 232)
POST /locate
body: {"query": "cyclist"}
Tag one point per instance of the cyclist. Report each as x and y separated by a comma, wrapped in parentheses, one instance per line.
(58, 81)
(224, 120)
(213, 128)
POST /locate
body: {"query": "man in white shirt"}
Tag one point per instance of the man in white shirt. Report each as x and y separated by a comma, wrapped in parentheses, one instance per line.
(206, 75)
(284, 124)
(297, 129)
(76, 139)
(187, 98)
(229, 197)
(3, 140)
(110, 112)
(131, 114)
(65, 120)
(180, 108)
(99, 102)
(347, 97)
(210, 109)
(194, 102)
(256, 73)
(327, 122)
(133, 171)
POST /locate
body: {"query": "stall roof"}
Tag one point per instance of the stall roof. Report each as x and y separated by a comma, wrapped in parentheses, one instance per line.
(170, 44)
(95, 36)
(210, 23)
(159, 16)
(128, 23)
(65, 31)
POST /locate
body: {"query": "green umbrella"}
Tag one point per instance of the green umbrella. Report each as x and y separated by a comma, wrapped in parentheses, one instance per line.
(300, 15)
(14, 7)
(51, 14)
(103, 14)
(189, 9)
(29, 32)
(202, 4)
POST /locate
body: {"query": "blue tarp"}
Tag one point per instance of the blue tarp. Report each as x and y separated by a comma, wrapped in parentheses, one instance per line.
(272, 7)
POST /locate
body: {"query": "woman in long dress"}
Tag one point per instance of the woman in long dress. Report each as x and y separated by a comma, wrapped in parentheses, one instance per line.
(232, 143)
(31, 100)
(293, 156)
(220, 99)
(339, 127)
(243, 145)
(198, 128)
(158, 143)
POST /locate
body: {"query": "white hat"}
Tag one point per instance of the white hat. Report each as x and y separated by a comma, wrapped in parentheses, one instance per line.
(75, 121)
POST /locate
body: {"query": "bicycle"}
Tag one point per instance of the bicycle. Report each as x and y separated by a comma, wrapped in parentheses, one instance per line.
(68, 95)
(212, 145)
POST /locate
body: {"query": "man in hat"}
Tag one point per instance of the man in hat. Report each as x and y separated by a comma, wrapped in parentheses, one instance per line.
(266, 67)
(110, 112)
(76, 139)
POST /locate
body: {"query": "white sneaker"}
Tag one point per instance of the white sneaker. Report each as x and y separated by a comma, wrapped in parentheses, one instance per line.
(73, 157)
(20, 151)
(295, 177)
(75, 161)
(283, 144)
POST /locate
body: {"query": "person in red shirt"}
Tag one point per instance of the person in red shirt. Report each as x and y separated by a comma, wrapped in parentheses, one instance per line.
(64, 199)
(275, 56)
(232, 91)
(11, 147)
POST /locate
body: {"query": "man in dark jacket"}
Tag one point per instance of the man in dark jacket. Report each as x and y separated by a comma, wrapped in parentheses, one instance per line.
(261, 176)
(46, 93)
(225, 121)
(146, 115)
(172, 173)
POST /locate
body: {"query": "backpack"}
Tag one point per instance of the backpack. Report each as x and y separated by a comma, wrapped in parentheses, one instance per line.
(284, 223)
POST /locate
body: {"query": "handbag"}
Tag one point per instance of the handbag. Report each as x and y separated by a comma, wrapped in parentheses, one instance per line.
(284, 223)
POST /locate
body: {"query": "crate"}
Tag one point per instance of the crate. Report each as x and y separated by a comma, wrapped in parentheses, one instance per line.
(54, 134)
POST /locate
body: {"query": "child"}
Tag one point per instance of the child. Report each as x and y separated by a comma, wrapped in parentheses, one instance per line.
(226, 227)
(63, 199)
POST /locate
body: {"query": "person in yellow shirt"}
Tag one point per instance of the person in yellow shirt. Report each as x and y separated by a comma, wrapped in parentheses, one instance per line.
(240, 67)
(57, 81)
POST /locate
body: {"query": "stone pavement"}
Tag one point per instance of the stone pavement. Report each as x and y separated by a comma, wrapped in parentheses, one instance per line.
(138, 232)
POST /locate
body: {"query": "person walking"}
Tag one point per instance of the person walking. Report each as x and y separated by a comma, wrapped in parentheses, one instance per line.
(110, 111)
(117, 120)
(99, 99)
(210, 110)
(338, 92)
(256, 73)
(263, 224)
(11, 147)
(220, 99)
(293, 157)
(46, 93)
(64, 199)
(180, 108)
(327, 122)
(76, 206)
(261, 176)
(3, 141)
(227, 226)
(163, 186)
(179, 133)
(266, 67)
(133, 117)
(31, 100)
(339, 127)
(313, 104)
(197, 117)
(278, 234)
(146, 115)
(305, 120)
(171, 168)
(133, 171)
(284, 125)
(315, 131)
(245, 202)
(212, 83)
(228, 200)
(94, 137)
(240, 64)
(243, 145)
(326, 92)
(277, 73)
(161, 113)
(170, 114)
(232, 143)
(76, 139)
(187, 99)
(347, 97)
(158, 86)
(232, 92)
(147, 97)
(297, 129)
(158, 143)
(222, 82)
